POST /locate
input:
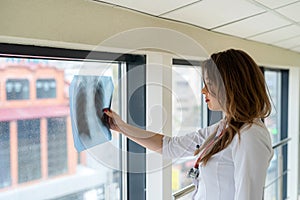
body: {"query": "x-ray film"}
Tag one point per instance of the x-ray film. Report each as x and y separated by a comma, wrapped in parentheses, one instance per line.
(89, 95)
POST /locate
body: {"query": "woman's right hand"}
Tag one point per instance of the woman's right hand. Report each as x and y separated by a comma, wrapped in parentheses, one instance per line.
(147, 139)
(114, 120)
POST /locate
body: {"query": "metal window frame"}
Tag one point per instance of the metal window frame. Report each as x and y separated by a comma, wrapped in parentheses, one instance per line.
(284, 124)
(136, 115)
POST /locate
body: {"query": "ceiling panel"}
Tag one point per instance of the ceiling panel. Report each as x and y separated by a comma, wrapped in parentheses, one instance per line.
(254, 25)
(278, 34)
(292, 11)
(290, 43)
(275, 3)
(212, 13)
(153, 7)
(275, 22)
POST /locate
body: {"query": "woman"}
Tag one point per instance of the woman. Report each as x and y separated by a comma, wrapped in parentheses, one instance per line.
(233, 154)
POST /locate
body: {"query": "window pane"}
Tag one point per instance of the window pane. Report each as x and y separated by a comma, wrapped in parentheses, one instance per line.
(17, 89)
(37, 149)
(29, 148)
(187, 116)
(57, 146)
(5, 177)
(45, 88)
(273, 80)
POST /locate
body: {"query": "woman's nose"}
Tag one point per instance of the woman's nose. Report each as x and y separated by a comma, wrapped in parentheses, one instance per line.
(204, 91)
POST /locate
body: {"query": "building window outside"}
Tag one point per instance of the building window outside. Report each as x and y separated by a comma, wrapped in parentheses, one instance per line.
(187, 116)
(57, 146)
(29, 150)
(17, 89)
(45, 88)
(5, 176)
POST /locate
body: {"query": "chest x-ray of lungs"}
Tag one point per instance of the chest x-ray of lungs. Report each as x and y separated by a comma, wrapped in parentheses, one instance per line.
(89, 95)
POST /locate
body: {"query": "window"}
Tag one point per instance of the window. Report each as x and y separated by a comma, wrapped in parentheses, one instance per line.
(5, 177)
(57, 146)
(45, 88)
(44, 144)
(187, 116)
(273, 80)
(277, 82)
(29, 150)
(17, 89)
(43, 161)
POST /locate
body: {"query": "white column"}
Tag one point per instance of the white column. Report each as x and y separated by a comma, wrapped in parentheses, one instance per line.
(159, 119)
(293, 132)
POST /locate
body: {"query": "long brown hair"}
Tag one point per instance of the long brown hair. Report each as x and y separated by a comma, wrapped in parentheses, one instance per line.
(239, 86)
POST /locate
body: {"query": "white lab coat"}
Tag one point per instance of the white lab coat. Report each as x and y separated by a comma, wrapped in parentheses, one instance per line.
(235, 173)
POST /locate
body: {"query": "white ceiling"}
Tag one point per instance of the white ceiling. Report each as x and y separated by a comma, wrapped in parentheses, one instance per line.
(275, 22)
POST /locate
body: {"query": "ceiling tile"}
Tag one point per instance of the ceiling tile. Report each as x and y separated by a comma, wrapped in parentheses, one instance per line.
(275, 3)
(278, 34)
(154, 7)
(212, 13)
(254, 25)
(292, 11)
(290, 43)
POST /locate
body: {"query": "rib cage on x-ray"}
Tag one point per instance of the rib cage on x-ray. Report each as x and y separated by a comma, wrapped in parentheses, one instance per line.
(89, 95)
